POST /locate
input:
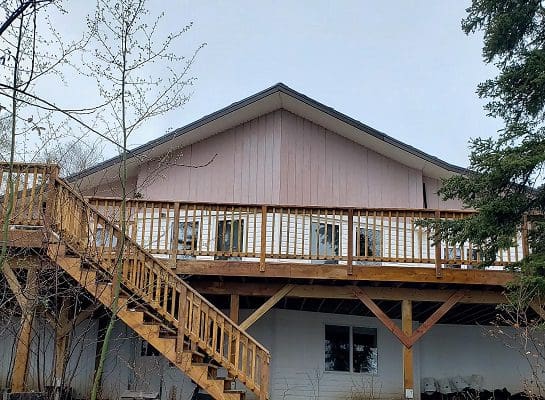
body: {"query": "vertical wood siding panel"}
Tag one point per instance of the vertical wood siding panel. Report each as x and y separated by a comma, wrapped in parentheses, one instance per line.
(276, 128)
(281, 158)
(307, 166)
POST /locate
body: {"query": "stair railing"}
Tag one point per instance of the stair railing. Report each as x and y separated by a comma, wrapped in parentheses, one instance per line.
(95, 237)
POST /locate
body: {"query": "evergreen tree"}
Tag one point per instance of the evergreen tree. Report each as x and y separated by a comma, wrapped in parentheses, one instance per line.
(505, 181)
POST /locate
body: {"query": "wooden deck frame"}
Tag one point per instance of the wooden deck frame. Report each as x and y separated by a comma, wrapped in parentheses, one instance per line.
(347, 292)
(408, 365)
(408, 340)
(24, 336)
(384, 273)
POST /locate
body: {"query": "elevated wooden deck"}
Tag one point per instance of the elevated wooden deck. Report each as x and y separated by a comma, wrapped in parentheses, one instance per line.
(361, 256)
(307, 243)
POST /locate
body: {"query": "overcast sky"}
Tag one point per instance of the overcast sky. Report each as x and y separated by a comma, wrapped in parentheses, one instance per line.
(402, 67)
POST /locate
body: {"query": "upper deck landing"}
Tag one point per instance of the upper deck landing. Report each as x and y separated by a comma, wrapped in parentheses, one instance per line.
(276, 241)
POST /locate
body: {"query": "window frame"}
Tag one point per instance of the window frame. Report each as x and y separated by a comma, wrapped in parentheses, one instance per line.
(351, 348)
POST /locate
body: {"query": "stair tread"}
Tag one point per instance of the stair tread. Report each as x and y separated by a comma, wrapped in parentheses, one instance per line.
(203, 364)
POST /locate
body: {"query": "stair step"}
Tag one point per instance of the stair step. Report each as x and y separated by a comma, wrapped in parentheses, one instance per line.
(148, 320)
(242, 393)
(196, 356)
(211, 368)
(227, 383)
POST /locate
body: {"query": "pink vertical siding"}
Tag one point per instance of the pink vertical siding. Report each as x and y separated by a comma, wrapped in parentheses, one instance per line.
(434, 201)
(319, 167)
(281, 158)
(243, 170)
(112, 189)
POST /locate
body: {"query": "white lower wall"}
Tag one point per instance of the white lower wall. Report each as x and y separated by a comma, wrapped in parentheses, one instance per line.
(296, 341)
(125, 367)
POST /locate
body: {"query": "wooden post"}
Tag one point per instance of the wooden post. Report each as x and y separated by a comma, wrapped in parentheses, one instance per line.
(350, 246)
(175, 235)
(438, 266)
(24, 337)
(264, 379)
(62, 340)
(407, 326)
(233, 312)
(263, 238)
(50, 202)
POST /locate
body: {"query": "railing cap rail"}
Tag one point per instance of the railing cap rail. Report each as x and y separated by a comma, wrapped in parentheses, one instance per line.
(314, 207)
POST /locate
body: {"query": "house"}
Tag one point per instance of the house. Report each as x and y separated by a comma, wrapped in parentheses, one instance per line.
(272, 250)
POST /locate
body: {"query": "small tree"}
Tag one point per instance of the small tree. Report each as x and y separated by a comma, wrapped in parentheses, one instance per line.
(139, 77)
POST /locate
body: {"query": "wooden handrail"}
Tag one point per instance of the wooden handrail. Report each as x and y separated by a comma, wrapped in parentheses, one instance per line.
(269, 205)
(350, 235)
(160, 287)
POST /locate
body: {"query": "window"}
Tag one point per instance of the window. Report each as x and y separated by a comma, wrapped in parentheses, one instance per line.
(188, 236)
(324, 239)
(147, 349)
(351, 349)
(370, 243)
(230, 236)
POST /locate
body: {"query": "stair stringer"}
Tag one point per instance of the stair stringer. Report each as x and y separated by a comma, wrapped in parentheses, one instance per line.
(87, 278)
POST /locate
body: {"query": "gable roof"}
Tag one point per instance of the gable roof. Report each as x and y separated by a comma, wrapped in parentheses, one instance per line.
(275, 97)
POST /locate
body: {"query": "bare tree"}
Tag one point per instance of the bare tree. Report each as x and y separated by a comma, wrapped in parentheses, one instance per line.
(140, 78)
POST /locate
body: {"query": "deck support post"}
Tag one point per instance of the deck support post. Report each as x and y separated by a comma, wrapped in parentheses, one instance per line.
(175, 235)
(63, 331)
(524, 236)
(407, 327)
(234, 307)
(24, 336)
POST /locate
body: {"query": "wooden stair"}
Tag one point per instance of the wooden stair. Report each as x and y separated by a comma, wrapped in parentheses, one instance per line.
(184, 327)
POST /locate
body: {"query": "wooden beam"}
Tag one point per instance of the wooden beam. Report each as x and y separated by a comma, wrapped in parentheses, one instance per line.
(266, 306)
(347, 292)
(234, 307)
(436, 316)
(24, 336)
(407, 326)
(437, 245)
(384, 273)
(381, 315)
